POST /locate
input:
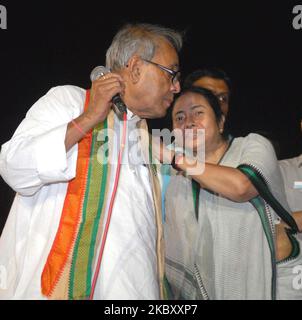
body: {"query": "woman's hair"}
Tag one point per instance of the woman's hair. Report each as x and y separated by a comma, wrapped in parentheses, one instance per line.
(141, 39)
(210, 98)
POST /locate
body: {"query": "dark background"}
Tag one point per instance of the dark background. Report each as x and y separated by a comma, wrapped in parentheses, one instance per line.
(50, 43)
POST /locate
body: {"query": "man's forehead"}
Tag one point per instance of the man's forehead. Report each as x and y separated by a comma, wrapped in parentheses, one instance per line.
(216, 85)
(165, 50)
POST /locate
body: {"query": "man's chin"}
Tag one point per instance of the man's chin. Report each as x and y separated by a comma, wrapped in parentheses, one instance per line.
(153, 114)
(157, 115)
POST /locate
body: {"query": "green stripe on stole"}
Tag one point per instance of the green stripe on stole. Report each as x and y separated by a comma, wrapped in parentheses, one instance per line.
(93, 206)
(259, 204)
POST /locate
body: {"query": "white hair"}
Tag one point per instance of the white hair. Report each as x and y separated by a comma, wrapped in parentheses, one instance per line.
(140, 39)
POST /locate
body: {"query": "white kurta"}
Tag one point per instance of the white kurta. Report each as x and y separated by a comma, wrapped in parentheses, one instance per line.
(35, 164)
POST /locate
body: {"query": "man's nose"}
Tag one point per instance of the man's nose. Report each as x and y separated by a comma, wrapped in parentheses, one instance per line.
(175, 87)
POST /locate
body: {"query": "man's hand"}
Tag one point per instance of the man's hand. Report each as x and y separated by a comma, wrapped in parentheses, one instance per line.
(102, 92)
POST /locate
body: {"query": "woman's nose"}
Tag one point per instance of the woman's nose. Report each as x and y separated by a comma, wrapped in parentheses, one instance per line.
(190, 123)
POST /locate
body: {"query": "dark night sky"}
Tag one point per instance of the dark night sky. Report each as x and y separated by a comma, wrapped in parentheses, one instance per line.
(51, 43)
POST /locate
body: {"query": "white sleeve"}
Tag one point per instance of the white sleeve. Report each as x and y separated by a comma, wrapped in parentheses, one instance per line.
(259, 152)
(36, 154)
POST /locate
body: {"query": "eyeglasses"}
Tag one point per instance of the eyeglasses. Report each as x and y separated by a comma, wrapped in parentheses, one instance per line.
(175, 75)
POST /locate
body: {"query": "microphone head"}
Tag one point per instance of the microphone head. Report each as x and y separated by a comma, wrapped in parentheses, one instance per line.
(98, 72)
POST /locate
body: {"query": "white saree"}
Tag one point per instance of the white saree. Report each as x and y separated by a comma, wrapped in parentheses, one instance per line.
(225, 253)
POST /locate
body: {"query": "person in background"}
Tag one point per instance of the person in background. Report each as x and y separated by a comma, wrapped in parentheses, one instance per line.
(291, 170)
(215, 80)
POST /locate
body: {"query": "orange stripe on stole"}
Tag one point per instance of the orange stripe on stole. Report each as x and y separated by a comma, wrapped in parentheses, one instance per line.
(60, 252)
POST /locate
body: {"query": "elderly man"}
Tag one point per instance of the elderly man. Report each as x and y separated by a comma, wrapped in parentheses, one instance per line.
(57, 243)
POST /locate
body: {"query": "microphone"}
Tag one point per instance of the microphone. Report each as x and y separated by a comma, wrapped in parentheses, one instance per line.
(118, 103)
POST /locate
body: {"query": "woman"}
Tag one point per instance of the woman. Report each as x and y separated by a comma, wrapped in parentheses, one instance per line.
(220, 235)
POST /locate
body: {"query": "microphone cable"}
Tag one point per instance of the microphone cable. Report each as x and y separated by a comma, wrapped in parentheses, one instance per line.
(117, 176)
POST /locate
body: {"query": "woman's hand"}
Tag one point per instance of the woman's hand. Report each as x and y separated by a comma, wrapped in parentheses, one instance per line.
(283, 244)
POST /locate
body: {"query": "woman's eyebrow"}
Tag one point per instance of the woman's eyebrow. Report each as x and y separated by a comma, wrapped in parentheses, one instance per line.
(191, 109)
(197, 106)
(178, 112)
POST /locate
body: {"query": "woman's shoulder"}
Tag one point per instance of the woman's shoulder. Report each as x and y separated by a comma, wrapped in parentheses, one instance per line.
(253, 138)
(253, 147)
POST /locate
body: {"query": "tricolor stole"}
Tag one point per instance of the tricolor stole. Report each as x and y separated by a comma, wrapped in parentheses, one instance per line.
(68, 270)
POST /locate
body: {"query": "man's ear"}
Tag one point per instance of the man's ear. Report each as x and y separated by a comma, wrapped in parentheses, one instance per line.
(134, 67)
